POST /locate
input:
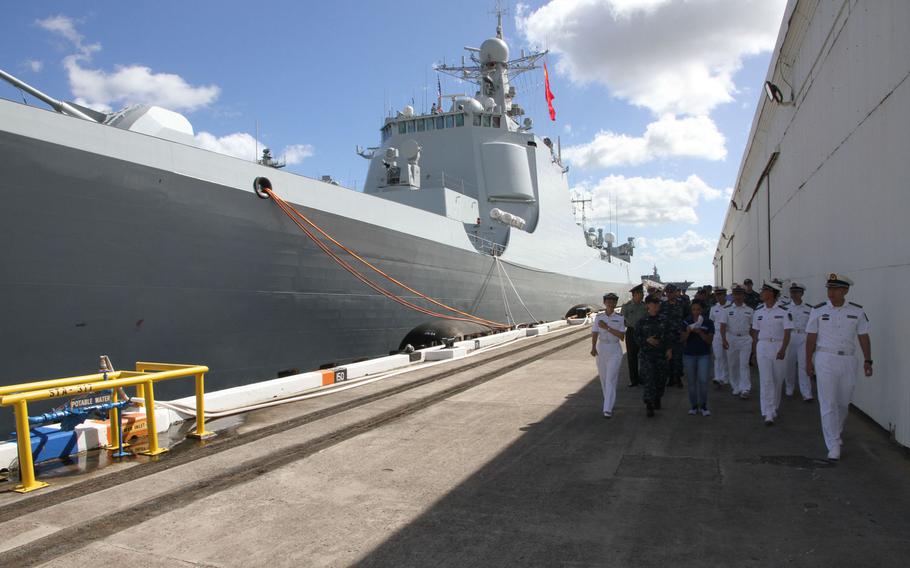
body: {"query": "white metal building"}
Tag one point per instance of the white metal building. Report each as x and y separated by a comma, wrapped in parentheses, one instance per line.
(824, 185)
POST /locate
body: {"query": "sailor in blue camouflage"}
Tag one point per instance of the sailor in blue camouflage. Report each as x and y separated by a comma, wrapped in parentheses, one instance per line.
(655, 336)
(674, 310)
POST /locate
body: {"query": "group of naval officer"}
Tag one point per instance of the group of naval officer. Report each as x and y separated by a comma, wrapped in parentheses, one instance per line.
(790, 341)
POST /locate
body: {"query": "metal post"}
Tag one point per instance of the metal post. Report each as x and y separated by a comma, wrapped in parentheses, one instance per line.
(153, 450)
(200, 432)
(27, 481)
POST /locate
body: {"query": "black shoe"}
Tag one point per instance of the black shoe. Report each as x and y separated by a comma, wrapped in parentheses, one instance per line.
(650, 412)
(656, 404)
(679, 385)
(633, 385)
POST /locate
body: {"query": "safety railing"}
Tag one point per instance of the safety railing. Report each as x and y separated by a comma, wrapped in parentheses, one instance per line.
(143, 378)
(486, 246)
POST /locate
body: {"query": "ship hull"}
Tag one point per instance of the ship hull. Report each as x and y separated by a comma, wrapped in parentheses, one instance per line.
(107, 256)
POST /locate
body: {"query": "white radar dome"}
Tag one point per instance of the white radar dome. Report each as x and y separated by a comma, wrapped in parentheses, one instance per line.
(408, 111)
(494, 50)
(469, 104)
(609, 238)
(409, 149)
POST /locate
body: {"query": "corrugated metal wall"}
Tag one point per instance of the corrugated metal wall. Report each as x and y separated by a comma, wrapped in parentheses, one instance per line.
(836, 197)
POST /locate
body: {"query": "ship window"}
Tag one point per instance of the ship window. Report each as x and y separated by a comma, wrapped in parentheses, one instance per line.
(476, 120)
(410, 126)
(496, 121)
(486, 120)
(431, 123)
(402, 128)
(421, 125)
(440, 122)
(459, 120)
(450, 121)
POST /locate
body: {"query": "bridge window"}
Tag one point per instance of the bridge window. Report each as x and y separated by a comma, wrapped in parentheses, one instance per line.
(410, 126)
(486, 120)
(497, 121)
(440, 122)
(450, 121)
(476, 120)
(431, 123)
(421, 125)
(459, 120)
(402, 128)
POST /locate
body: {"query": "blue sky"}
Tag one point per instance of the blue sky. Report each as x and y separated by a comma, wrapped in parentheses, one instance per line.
(654, 98)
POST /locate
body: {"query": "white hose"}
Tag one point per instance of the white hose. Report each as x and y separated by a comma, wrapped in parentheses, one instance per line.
(182, 409)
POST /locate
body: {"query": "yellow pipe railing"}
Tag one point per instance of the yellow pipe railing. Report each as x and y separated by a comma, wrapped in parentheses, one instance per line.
(20, 395)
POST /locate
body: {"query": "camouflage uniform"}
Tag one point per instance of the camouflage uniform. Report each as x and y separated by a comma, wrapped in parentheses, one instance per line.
(674, 314)
(652, 360)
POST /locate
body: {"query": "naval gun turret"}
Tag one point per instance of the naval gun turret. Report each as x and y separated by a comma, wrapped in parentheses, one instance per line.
(143, 118)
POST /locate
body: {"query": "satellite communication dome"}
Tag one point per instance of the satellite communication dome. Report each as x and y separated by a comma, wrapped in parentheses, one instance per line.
(469, 104)
(408, 111)
(609, 238)
(494, 50)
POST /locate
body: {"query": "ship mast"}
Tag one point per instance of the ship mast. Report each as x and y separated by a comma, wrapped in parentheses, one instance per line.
(492, 71)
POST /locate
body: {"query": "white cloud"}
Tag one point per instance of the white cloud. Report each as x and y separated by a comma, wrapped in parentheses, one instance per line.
(34, 65)
(66, 27)
(649, 201)
(127, 84)
(244, 146)
(136, 84)
(692, 137)
(687, 246)
(669, 57)
(296, 153)
(238, 144)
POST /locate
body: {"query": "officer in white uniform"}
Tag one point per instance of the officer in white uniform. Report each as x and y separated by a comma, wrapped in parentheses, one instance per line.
(718, 316)
(772, 324)
(832, 332)
(608, 330)
(795, 362)
(736, 339)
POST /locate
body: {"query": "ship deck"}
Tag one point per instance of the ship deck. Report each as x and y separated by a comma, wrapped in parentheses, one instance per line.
(502, 459)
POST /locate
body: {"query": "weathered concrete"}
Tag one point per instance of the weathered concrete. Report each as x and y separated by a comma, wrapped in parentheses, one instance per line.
(523, 470)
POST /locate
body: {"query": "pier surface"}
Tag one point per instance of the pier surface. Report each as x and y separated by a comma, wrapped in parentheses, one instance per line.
(501, 460)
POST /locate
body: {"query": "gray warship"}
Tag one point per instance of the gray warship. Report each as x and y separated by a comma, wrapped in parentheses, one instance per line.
(120, 236)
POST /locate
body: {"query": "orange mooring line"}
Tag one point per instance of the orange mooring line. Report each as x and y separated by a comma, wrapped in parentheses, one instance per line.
(296, 216)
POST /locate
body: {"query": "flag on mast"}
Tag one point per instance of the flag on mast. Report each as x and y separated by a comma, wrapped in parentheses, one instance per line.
(549, 93)
(438, 93)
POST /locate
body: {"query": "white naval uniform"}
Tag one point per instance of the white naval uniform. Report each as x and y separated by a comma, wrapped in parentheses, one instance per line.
(609, 355)
(739, 322)
(717, 315)
(835, 363)
(796, 352)
(771, 324)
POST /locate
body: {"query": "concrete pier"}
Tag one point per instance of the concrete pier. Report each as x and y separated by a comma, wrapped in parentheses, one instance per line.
(508, 462)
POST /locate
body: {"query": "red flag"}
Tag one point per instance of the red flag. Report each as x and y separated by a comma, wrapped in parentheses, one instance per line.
(550, 97)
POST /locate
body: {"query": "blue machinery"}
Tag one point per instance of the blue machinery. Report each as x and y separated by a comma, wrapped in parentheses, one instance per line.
(107, 381)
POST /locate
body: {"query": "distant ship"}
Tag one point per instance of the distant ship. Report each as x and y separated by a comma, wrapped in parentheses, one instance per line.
(121, 237)
(654, 279)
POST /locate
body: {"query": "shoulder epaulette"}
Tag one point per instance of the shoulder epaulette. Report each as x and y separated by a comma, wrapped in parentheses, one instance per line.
(819, 305)
(855, 304)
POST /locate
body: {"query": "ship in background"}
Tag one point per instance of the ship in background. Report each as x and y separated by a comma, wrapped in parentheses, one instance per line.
(822, 186)
(120, 236)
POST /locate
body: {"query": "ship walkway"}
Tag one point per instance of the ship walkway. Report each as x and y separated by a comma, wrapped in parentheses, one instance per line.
(499, 460)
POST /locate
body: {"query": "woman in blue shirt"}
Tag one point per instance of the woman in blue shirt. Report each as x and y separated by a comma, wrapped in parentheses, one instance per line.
(697, 333)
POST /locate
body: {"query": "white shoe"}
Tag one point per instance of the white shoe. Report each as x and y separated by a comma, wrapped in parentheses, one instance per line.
(736, 393)
(705, 412)
(744, 395)
(608, 414)
(834, 453)
(693, 411)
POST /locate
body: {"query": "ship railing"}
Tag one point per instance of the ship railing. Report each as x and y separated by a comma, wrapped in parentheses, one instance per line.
(143, 378)
(486, 246)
